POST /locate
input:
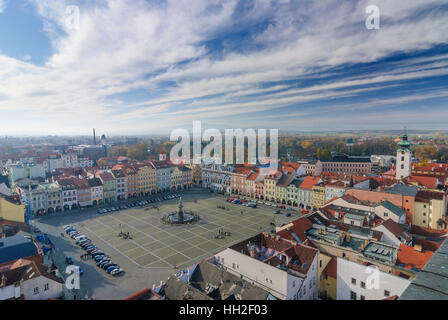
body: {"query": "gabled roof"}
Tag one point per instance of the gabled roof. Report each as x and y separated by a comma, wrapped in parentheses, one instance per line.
(402, 189)
(309, 182)
(222, 285)
(425, 181)
(396, 229)
(331, 269)
(285, 180)
(106, 176)
(393, 208)
(23, 270)
(94, 182)
(16, 247)
(176, 289)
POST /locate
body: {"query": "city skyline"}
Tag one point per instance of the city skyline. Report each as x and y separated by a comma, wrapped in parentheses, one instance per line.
(146, 67)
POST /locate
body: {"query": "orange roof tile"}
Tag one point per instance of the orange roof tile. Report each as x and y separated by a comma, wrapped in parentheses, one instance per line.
(411, 258)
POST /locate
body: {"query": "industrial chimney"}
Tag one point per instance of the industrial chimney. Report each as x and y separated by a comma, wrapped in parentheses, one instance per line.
(94, 137)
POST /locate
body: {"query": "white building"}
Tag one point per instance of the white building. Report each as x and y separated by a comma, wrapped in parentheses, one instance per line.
(121, 190)
(288, 270)
(404, 158)
(393, 233)
(163, 172)
(69, 194)
(217, 177)
(29, 280)
(358, 282)
(333, 191)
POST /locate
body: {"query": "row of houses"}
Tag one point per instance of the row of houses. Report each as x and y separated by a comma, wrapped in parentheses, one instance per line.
(74, 188)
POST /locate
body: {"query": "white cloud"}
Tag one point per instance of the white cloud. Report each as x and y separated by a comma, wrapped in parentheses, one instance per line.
(123, 46)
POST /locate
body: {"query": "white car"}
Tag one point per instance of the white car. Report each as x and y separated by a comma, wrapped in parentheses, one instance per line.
(116, 271)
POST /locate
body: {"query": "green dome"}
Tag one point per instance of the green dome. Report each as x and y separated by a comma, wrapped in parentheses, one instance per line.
(404, 143)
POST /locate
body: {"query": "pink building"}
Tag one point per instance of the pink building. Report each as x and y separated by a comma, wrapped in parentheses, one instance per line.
(259, 190)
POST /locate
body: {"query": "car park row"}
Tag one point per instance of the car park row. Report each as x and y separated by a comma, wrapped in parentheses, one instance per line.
(92, 251)
(138, 204)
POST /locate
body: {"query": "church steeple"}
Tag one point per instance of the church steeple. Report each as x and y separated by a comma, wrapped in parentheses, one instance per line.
(404, 158)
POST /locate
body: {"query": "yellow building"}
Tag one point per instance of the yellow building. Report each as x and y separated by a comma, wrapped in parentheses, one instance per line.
(11, 209)
(430, 209)
(281, 188)
(328, 287)
(318, 195)
(270, 183)
(146, 178)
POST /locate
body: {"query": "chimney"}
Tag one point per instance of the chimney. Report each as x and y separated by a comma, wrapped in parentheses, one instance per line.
(347, 236)
(362, 246)
(325, 232)
(94, 137)
(3, 283)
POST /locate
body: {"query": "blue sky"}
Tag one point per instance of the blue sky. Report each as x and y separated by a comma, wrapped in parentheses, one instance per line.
(133, 67)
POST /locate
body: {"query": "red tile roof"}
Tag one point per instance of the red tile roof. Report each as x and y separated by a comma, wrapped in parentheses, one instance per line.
(309, 182)
(411, 258)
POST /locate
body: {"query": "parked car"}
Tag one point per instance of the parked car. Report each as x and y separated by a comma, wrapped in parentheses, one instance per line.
(277, 212)
(110, 264)
(305, 211)
(288, 214)
(109, 269)
(103, 262)
(97, 253)
(116, 272)
(83, 241)
(68, 260)
(99, 257)
(282, 207)
(87, 245)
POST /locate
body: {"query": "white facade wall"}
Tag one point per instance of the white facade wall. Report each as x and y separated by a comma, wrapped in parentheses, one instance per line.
(386, 214)
(46, 289)
(69, 197)
(36, 171)
(381, 282)
(333, 192)
(163, 178)
(404, 164)
(9, 292)
(388, 237)
(278, 282)
(121, 188)
(305, 197)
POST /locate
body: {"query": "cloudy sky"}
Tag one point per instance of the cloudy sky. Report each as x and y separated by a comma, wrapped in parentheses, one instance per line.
(142, 66)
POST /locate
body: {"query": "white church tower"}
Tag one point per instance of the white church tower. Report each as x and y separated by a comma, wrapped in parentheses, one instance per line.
(404, 158)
